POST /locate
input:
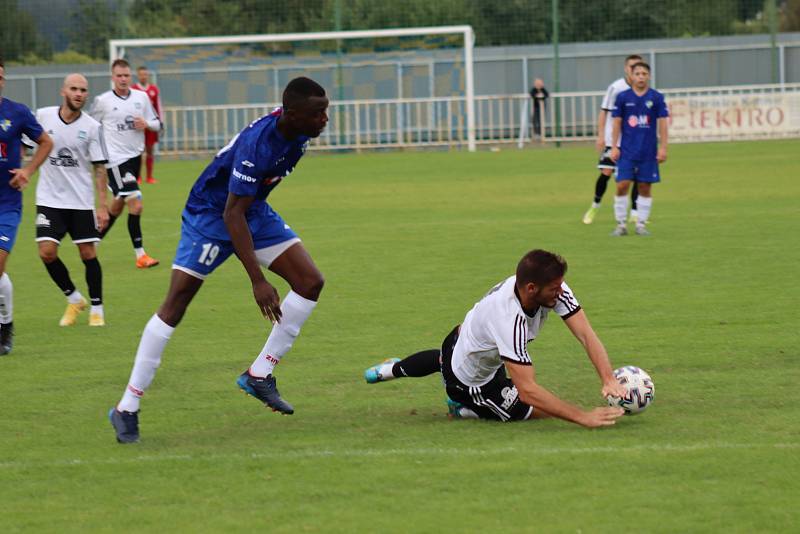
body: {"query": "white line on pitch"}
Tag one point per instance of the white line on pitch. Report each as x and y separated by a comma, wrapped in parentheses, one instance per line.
(366, 453)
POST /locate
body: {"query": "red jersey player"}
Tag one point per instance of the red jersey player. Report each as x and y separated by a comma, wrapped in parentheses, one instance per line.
(150, 137)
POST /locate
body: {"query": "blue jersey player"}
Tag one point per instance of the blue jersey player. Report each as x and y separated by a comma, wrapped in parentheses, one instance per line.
(15, 119)
(227, 213)
(638, 114)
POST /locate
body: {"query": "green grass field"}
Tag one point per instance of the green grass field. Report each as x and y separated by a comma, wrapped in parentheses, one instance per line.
(408, 242)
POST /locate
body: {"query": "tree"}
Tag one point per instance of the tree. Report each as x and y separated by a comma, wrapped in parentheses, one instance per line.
(18, 36)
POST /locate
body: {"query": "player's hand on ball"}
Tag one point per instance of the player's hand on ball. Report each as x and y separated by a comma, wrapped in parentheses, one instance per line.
(268, 300)
(613, 389)
(605, 416)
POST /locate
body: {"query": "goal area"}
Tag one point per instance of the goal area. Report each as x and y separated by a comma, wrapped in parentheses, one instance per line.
(390, 88)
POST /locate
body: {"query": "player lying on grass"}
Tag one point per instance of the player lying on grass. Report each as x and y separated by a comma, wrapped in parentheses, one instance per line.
(227, 213)
(492, 341)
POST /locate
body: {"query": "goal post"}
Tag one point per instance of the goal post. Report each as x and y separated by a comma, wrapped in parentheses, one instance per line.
(118, 48)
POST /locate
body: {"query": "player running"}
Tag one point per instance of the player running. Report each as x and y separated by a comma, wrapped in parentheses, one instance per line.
(226, 213)
(478, 357)
(65, 197)
(150, 137)
(606, 165)
(125, 113)
(16, 120)
(637, 113)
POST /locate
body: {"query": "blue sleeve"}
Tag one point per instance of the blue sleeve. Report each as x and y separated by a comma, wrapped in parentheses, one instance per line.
(617, 111)
(246, 175)
(661, 109)
(30, 125)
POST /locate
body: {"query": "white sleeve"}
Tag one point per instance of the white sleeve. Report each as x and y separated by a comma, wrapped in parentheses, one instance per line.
(97, 146)
(153, 122)
(566, 304)
(608, 100)
(511, 337)
(96, 111)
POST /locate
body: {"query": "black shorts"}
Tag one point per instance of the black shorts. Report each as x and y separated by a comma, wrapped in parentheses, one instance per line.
(497, 400)
(52, 224)
(605, 160)
(122, 178)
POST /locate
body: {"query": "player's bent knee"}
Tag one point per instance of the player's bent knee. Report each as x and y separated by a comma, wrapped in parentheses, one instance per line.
(311, 286)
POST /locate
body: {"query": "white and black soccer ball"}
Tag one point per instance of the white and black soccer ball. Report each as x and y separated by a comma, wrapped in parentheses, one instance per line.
(640, 390)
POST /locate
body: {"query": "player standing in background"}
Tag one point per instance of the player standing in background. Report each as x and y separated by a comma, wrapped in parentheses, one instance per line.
(124, 114)
(150, 137)
(65, 197)
(493, 340)
(15, 120)
(227, 213)
(637, 114)
(603, 143)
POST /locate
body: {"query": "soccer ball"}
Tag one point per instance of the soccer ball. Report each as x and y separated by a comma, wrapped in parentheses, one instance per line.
(640, 390)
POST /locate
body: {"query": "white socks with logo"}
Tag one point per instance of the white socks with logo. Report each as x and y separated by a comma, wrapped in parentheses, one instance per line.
(6, 299)
(294, 312)
(148, 358)
(621, 208)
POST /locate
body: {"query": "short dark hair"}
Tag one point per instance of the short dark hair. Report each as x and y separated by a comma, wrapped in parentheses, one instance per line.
(633, 56)
(540, 267)
(120, 63)
(640, 64)
(141, 67)
(299, 90)
(2, 64)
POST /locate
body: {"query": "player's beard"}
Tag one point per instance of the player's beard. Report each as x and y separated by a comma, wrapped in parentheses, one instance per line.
(72, 107)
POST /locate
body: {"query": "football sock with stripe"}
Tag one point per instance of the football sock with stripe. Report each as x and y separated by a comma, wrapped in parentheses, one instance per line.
(294, 312)
(422, 363)
(60, 275)
(6, 299)
(148, 358)
(94, 279)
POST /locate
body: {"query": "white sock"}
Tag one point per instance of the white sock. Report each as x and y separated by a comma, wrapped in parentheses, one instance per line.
(148, 358)
(75, 297)
(139, 252)
(595, 204)
(645, 204)
(294, 312)
(385, 371)
(97, 310)
(6, 299)
(621, 208)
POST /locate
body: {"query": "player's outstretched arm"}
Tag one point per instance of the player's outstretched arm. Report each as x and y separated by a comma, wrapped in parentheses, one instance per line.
(21, 177)
(236, 222)
(580, 327)
(535, 395)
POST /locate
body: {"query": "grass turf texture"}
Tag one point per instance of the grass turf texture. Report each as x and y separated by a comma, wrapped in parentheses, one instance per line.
(408, 242)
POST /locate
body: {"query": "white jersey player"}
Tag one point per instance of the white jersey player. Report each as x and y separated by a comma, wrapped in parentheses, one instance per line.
(125, 113)
(603, 142)
(65, 198)
(492, 341)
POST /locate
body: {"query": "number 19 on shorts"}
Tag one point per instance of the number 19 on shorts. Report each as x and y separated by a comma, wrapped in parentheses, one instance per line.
(208, 254)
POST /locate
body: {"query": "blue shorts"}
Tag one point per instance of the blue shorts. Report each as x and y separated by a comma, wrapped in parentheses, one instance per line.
(199, 254)
(9, 223)
(641, 171)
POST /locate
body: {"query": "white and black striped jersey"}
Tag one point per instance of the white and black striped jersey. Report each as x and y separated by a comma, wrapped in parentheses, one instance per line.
(116, 114)
(66, 177)
(608, 104)
(497, 328)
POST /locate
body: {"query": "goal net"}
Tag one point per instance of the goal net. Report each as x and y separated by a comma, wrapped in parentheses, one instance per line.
(408, 87)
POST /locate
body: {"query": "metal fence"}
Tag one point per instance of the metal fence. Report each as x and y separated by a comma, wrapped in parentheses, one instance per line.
(434, 122)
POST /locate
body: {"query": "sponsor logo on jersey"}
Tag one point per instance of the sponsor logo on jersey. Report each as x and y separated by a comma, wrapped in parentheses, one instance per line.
(128, 124)
(640, 121)
(243, 177)
(42, 220)
(248, 163)
(5, 124)
(64, 159)
(510, 395)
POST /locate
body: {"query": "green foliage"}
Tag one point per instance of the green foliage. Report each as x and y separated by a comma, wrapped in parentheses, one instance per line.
(19, 40)
(407, 243)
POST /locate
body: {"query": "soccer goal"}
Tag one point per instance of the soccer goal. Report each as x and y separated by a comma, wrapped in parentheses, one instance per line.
(393, 88)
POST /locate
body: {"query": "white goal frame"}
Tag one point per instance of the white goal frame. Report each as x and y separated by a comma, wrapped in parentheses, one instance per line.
(116, 49)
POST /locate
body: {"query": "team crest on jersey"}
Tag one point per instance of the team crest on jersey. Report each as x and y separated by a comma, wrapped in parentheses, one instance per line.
(649, 104)
(137, 105)
(5, 124)
(83, 134)
(42, 220)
